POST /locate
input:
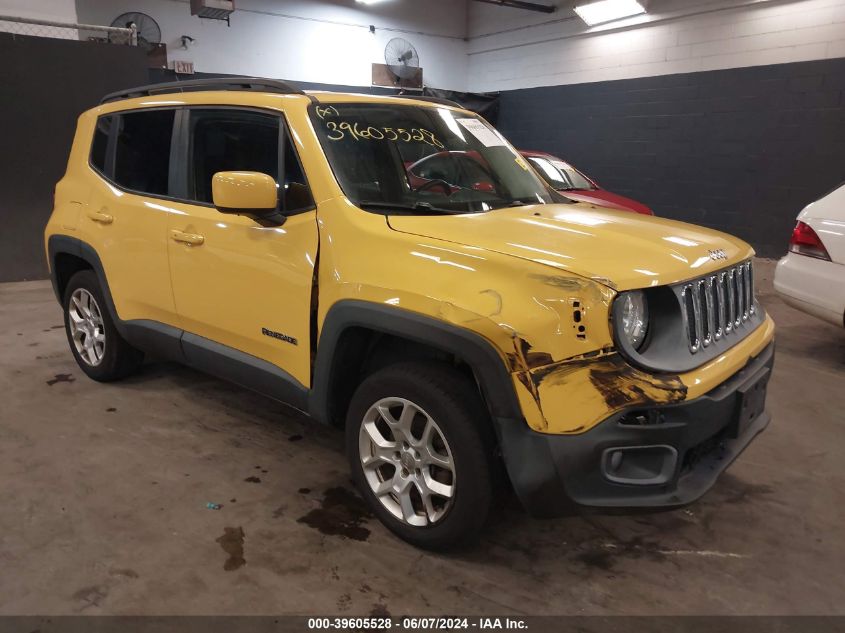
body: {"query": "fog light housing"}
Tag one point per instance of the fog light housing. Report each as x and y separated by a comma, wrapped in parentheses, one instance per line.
(639, 465)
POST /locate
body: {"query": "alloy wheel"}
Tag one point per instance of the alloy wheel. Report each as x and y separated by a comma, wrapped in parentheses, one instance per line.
(407, 461)
(86, 327)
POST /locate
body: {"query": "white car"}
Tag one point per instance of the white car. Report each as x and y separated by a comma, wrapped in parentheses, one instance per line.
(811, 277)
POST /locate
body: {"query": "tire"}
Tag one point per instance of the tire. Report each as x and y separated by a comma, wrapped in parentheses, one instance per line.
(439, 401)
(94, 341)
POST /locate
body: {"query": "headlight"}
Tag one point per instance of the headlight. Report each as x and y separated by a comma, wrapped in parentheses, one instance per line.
(634, 317)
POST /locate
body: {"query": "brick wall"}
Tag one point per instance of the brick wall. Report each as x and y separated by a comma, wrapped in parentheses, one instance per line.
(741, 150)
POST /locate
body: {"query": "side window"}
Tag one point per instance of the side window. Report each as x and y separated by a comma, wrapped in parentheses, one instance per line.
(240, 140)
(142, 152)
(101, 143)
(230, 140)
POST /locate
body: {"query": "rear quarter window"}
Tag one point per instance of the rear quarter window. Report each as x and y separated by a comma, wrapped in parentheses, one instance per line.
(100, 144)
(142, 151)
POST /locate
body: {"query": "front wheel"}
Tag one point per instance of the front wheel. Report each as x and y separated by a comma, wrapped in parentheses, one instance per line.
(419, 453)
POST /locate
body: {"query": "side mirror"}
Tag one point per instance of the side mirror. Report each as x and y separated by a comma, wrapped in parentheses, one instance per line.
(248, 193)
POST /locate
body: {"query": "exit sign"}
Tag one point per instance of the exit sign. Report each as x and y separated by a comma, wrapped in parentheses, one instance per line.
(181, 67)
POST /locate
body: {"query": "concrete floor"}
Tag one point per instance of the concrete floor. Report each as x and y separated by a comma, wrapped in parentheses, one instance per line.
(103, 492)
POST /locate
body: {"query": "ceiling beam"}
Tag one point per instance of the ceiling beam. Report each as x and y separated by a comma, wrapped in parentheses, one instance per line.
(519, 4)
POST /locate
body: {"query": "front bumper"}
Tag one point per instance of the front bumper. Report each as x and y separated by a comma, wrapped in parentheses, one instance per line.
(660, 457)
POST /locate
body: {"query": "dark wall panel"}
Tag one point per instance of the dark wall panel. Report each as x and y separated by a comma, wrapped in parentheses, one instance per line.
(46, 84)
(740, 150)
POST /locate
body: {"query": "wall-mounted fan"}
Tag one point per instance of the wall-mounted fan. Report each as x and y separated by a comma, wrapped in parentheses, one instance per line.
(149, 33)
(401, 57)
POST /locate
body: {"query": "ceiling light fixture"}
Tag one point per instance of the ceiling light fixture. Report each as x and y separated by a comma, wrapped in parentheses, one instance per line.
(608, 10)
(368, 1)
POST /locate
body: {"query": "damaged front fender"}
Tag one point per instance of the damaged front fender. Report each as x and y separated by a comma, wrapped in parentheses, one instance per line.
(551, 327)
(575, 394)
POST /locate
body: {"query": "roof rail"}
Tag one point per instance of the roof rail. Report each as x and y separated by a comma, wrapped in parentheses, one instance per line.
(224, 83)
(439, 100)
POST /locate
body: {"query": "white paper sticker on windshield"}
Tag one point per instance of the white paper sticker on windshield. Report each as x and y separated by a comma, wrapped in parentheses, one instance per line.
(484, 134)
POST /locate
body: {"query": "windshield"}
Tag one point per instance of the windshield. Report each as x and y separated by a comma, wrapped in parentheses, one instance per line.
(560, 175)
(406, 158)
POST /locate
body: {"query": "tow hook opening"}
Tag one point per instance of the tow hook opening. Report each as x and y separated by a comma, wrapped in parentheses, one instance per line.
(648, 417)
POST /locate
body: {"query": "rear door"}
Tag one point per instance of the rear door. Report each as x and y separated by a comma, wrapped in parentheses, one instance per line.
(127, 214)
(237, 283)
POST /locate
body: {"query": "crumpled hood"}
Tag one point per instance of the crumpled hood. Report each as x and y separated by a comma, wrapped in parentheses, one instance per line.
(620, 249)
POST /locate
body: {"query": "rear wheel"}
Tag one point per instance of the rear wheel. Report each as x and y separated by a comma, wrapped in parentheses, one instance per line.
(96, 345)
(419, 453)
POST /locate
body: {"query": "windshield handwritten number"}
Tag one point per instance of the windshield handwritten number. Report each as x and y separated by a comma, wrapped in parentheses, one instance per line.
(429, 138)
(375, 133)
(333, 128)
(348, 127)
(370, 132)
(339, 130)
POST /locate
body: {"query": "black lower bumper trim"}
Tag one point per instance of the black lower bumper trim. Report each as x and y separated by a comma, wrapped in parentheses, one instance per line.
(684, 447)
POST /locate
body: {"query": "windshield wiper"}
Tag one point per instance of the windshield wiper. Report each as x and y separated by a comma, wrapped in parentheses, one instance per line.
(521, 202)
(418, 207)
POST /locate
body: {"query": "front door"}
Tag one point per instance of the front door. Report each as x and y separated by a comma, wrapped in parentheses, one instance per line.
(235, 282)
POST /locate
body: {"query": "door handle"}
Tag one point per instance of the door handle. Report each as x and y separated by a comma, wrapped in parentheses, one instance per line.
(99, 216)
(192, 239)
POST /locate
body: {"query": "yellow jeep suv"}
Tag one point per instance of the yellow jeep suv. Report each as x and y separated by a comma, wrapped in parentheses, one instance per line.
(393, 266)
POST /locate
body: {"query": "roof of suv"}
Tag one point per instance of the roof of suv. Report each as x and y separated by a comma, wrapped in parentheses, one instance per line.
(257, 85)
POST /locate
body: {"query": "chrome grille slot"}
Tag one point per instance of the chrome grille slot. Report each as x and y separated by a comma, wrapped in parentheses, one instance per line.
(706, 312)
(726, 295)
(731, 278)
(715, 306)
(720, 303)
(691, 317)
(749, 288)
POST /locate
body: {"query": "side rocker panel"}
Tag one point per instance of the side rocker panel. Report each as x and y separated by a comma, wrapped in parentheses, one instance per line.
(244, 370)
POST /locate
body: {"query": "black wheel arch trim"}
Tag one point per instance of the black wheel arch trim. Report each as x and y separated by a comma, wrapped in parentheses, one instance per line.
(66, 244)
(486, 363)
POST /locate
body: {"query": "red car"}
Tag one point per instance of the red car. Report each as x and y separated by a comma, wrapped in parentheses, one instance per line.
(574, 184)
(458, 170)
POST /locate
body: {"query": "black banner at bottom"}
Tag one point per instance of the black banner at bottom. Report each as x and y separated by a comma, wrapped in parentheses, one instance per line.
(403, 624)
